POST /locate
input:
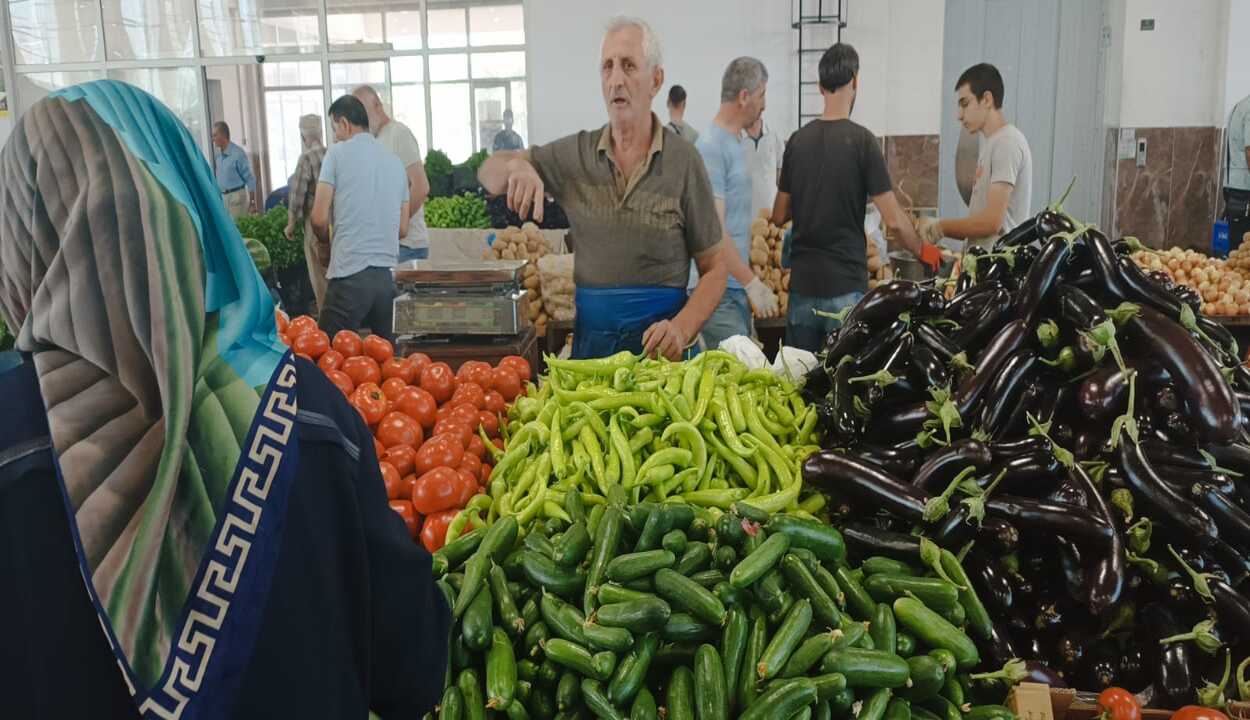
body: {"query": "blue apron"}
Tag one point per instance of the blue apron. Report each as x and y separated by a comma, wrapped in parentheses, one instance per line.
(613, 319)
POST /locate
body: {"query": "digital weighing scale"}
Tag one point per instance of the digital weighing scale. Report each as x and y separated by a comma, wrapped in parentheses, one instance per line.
(450, 299)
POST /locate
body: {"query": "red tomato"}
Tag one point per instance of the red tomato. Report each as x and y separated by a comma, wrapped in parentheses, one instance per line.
(475, 447)
(299, 326)
(438, 452)
(392, 388)
(498, 442)
(1119, 704)
(495, 402)
(506, 382)
(286, 340)
(451, 428)
(342, 382)
(330, 360)
(378, 450)
(467, 488)
(361, 370)
(437, 380)
(464, 414)
(348, 343)
(434, 531)
(397, 428)
(281, 320)
(486, 471)
(419, 361)
(418, 405)
(379, 348)
(518, 365)
(469, 393)
(1197, 712)
(312, 343)
(438, 489)
(409, 483)
(474, 371)
(391, 479)
(489, 422)
(403, 457)
(399, 368)
(473, 464)
(404, 508)
(370, 402)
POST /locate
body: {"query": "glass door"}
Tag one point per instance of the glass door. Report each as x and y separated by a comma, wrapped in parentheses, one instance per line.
(490, 99)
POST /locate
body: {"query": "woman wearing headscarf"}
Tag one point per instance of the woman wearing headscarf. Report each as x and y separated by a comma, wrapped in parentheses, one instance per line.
(300, 202)
(192, 520)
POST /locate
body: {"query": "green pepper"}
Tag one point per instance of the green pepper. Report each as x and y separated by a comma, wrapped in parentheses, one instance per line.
(556, 446)
(688, 433)
(707, 385)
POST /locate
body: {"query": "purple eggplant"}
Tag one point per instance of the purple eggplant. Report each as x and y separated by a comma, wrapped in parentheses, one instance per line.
(887, 301)
(1050, 518)
(1043, 275)
(943, 466)
(842, 474)
(865, 541)
(1166, 504)
(1106, 574)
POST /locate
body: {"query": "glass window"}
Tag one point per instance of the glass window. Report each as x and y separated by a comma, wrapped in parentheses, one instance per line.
(447, 29)
(519, 102)
(144, 29)
(292, 74)
(449, 67)
(33, 87)
(453, 128)
(498, 65)
(403, 29)
(55, 31)
(355, 30)
(346, 77)
(177, 88)
(496, 25)
(258, 27)
(283, 109)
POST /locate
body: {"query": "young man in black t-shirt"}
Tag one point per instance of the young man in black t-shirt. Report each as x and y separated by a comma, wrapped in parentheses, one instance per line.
(831, 168)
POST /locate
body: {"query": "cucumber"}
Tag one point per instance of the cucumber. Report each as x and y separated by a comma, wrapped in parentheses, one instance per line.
(577, 658)
(750, 512)
(898, 709)
(675, 654)
(822, 711)
(936, 631)
(826, 542)
(653, 530)
(708, 578)
(535, 637)
(906, 644)
(782, 701)
(746, 689)
(461, 656)
(877, 565)
(543, 572)
(867, 668)
(953, 691)
(597, 702)
(944, 709)
(548, 672)
(729, 530)
(568, 691)
(883, 630)
(803, 583)
(599, 637)
(989, 712)
(763, 559)
(946, 659)
(852, 633)
(526, 669)
(632, 670)
(632, 566)
(454, 553)
(771, 593)
(733, 645)
(829, 685)
(575, 506)
(542, 703)
(808, 654)
(573, 545)
(729, 595)
(919, 712)
(686, 594)
(642, 616)
(979, 622)
(562, 620)
(680, 515)
(501, 677)
(695, 558)
(452, 705)
(470, 686)
(612, 593)
(866, 642)
(933, 592)
(683, 627)
(829, 584)
(644, 706)
(505, 603)
(785, 640)
(711, 698)
(927, 678)
(858, 601)
(680, 698)
(530, 613)
(477, 622)
(675, 542)
(841, 702)
(725, 557)
(607, 542)
(955, 616)
(539, 543)
(875, 705)
(639, 514)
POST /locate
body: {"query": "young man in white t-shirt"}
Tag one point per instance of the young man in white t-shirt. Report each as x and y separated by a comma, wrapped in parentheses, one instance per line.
(396, 137)
(1001, 194)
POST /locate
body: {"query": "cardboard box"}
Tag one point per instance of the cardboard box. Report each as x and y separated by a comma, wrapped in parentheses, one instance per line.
(1034, 701)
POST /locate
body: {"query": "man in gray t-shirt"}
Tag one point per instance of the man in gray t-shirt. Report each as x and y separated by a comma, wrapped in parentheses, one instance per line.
(1004, 182)
(1237, 173)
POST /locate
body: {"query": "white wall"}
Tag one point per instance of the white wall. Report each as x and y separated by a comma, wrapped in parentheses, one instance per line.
(899, 43)
(1173, 76)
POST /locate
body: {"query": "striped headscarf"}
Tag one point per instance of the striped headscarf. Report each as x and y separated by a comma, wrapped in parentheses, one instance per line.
(153, 340)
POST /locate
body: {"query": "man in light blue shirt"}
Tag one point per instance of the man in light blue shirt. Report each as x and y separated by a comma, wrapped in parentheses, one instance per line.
(742, 101)
(368, 189)
(234, 173)
(1237, 173)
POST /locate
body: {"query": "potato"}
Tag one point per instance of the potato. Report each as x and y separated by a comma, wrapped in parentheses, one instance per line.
(759, 257)
(777, 256)
(531, 283)
(785, 282)
(759, 225)
(874, 263)
(873, 282)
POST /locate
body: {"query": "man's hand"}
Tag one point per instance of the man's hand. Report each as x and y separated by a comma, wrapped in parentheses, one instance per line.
(763, 300)
(931, 230)
(665, 338)
(525, 190)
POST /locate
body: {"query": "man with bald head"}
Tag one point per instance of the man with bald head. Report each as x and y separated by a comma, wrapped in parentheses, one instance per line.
(396, 137)
(640, 204)
(300, 202)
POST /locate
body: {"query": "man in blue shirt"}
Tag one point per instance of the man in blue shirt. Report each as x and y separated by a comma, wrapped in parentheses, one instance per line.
(368, 189)
(742, 102)
(234, 173)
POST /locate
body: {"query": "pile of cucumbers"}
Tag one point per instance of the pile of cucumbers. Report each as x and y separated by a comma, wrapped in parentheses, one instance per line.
(666, 610)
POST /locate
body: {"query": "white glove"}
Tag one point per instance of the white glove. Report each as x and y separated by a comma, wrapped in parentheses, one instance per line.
(763, 300)
(931, 230)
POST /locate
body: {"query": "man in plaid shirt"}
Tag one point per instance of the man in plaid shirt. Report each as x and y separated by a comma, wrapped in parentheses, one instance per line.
(300, 202)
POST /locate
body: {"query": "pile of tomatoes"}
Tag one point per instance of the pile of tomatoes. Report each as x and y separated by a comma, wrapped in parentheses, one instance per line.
(425, 419)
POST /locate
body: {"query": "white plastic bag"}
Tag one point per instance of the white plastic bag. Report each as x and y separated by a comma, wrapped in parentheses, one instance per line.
(555, 274)
(793, 363)
(745, 349)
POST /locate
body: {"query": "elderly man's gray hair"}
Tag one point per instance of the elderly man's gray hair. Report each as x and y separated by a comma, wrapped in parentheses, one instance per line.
(650, 43)
(744, 73)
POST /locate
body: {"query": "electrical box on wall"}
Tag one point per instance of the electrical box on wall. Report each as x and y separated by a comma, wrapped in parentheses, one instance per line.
(1126, 148)
(1141, 152)
(1147, 24)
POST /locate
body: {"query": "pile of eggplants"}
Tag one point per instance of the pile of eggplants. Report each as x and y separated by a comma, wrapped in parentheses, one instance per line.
(1081, 430)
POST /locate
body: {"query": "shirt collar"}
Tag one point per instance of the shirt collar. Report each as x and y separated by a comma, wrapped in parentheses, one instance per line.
(657, 137)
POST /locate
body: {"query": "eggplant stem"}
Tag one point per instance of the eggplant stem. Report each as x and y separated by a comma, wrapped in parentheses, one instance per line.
(1200, 579)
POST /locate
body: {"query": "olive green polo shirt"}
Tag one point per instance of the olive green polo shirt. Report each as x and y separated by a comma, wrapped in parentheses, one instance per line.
(641, 230)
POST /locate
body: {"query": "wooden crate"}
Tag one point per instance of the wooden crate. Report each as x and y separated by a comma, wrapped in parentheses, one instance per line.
(1034, 701)
(457, 352)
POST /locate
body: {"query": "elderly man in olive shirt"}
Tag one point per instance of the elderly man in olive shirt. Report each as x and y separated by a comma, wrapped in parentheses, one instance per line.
(640, 204)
